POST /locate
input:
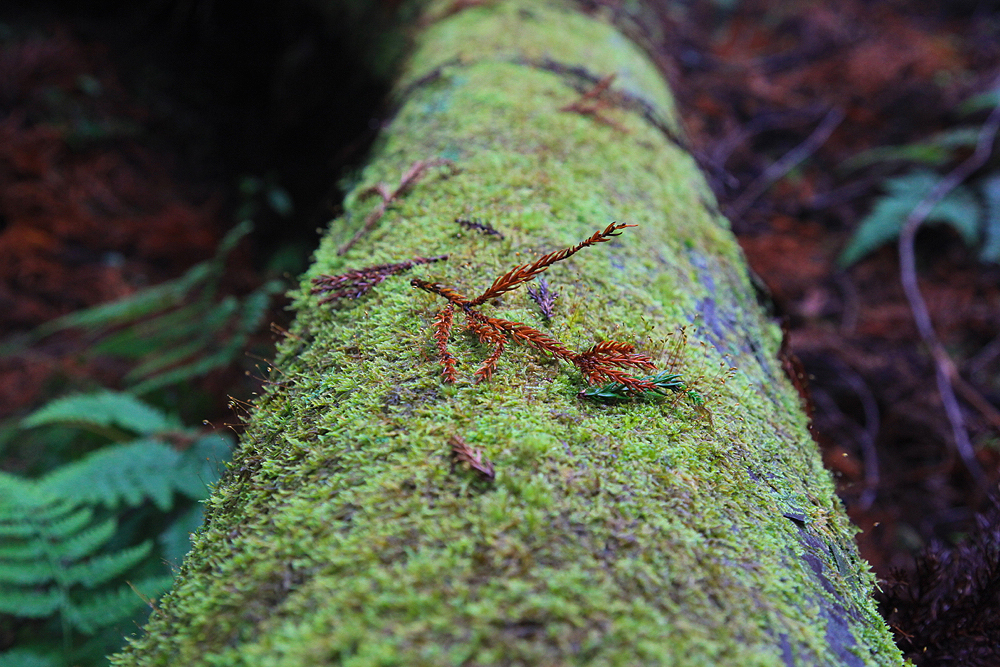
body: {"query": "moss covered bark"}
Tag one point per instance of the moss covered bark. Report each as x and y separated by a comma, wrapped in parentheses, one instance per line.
(647, 532)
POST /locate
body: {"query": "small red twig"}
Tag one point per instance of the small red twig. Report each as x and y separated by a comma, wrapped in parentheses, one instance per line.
(603, 362)
(593, 104)
(475, 458)
(525, 272)
(387, 197)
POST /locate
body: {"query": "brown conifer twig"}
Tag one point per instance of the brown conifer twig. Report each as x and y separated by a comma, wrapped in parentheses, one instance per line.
(355, 283)
(408, 179)
(525, 272)
(604, 361)
(591, 104)
(475, 458)
(442, 328)
(479, 225)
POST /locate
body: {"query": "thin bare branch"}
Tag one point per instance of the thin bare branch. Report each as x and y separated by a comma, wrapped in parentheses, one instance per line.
(945, 369)
(591, 104)
(787, 162)
(413, 174)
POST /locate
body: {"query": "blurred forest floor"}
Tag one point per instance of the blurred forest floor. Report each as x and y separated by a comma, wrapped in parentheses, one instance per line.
(756, 86)
(131, 139)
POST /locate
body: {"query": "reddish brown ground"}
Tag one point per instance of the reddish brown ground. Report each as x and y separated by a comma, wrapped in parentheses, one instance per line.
(91, 209)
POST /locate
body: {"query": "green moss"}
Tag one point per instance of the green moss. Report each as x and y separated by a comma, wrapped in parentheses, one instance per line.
(641, 533)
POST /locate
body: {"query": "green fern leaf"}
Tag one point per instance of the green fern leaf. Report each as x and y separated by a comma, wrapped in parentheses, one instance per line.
(31, 604)
(181, 346)
(28, 658)
(201, 465)
(934, 151)
(103, 410)
(152, 299)
(25, 573)
(109, 607)
(21, 551)
(105, 567)
(175, 541)
(141, 304)
(981, 102)
(126, 473)
(60, 520)
(990, 188)
(252, 311)
(88, 540)
(156, 334)
(959, 209)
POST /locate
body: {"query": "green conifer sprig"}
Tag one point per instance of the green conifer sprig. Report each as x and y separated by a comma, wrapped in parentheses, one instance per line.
(614, 392)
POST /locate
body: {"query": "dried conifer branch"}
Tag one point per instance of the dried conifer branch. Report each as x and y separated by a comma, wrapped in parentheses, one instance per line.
(475, 458)
(387, 196)
(603, 362)
(441, 290)
(480, 226)
(544, 297)
(591, 104)
(442, 329)
(525, 272)
(355, 283)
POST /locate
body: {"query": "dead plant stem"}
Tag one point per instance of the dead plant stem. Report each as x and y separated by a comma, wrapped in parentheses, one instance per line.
(945, 370)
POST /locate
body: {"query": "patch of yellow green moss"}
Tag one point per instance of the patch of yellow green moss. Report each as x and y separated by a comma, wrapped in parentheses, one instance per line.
(641, 533)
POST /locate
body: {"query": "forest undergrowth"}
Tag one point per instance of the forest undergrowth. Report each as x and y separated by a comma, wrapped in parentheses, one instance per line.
(821, 127)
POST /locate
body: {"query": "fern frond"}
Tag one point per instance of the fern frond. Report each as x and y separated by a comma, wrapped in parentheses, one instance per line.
(240, 323)
(120, 474)
(109, 607)
(100, 411)
(201, 464)
(959, 209)
(18, 657)
(141, 304)
(175, 541)
(103, 568)
(30, 603)
(88, 540)
(157, 334)
(21, 551)
(61, 520)
(25, 573)
(129, 473)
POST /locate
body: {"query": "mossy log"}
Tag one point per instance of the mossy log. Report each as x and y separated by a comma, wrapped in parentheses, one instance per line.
(693, 529)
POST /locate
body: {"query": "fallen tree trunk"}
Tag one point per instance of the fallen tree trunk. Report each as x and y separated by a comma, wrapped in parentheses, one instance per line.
(377, 514)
